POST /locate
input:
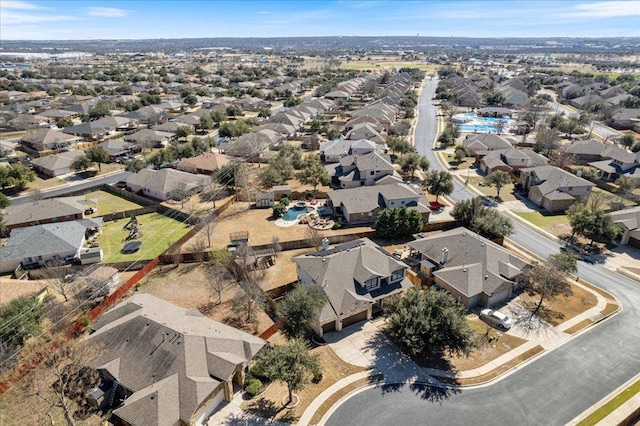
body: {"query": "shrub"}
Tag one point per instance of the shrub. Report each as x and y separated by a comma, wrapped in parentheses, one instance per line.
(336, 225)
(253, 387)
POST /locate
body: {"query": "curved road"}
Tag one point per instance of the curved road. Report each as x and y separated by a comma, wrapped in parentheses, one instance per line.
(549, 391)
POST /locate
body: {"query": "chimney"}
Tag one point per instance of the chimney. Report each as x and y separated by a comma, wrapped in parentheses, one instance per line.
(325, 244)
(445, 256)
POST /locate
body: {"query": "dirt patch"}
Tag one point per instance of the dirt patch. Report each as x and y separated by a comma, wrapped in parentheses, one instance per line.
(261, 227)
(493, 344)
(269, 404)
(284, 270)
(560, 229)
(609, 309)
(579, 326)
(494, 373)
(561, 308)
(186, 286)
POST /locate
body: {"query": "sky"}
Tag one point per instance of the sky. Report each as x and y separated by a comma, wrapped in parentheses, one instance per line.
(79, 20)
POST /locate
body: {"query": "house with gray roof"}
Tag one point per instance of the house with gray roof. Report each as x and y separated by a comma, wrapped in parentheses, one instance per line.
(149, 137)
(475, 270)
(511, 160)
(57, 164)
(362, 205)
(166, 184)
(626, 119)
(51, 242)
(333, 151)
(554, 189)
(485, 142)
(619, 162)
(166, 365)
(362, 170)
(50, 210)
(628, 221)
(48, 140)
(356, 277)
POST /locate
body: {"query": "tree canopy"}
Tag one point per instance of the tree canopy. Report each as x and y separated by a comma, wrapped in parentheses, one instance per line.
(487, 222)
(439, 183)
(413, 161)
(398, 222)
(290, 363)
(97, 154)
(499, 179)
(313, 172)
(428, 323)
(298, 310)
(16, 175)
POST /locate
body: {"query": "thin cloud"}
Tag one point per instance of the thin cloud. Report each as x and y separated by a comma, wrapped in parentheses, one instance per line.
(609, 9)
(17, 18)
(17, 4)
(108, 12)
(265, 12)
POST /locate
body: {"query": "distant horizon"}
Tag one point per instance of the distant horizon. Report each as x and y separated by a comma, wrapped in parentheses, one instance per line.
(60, 20)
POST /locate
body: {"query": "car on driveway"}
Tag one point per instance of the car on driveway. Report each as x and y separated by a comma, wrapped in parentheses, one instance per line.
(495, 318)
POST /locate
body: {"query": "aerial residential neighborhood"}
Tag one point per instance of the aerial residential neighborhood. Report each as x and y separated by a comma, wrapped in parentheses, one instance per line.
(342, 213)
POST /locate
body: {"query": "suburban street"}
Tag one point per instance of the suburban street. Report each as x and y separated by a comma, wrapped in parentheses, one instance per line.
(551, 390)
(58, 192)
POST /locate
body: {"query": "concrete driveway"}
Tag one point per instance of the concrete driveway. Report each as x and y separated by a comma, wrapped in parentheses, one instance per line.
(363, 344)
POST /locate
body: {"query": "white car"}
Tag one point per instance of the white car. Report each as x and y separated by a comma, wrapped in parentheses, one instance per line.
(495, 318)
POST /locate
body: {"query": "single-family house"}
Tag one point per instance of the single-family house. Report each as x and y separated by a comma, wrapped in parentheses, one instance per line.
(333, 151)
(52, 242)
(475, 270)
(619, 162)
(628, 221)
(48, 140)
(356, 277)
(252, 145)
(149, 137)
(511, 160)
(365, 131)
(56, 164)
(554, 189)
(586, 151)
(50, 210)
(204, 164)
(362, 170)
(626, 119)
(117, 148)
(485, 142)
(362, 205)
(166, 365)
(166, 184)
(90, 131)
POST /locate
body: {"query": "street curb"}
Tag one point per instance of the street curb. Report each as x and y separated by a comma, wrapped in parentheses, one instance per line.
(604, 401)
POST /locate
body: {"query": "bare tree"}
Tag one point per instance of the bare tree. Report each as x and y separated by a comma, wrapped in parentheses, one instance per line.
(314, 238)
(250, 301)
(199, 250)
(597, 200)
(208, 226)
(547, 281)
(58, 279)
(59, 382)
(218, 280)
(275, 243)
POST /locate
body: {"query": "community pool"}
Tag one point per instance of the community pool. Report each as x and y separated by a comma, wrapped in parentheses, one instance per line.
(294, 212)
(472, 123)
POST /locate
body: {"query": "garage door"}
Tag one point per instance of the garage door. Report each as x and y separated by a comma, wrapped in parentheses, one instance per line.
(354, 319)
(210, 408)
(499, 297)
(331, 326)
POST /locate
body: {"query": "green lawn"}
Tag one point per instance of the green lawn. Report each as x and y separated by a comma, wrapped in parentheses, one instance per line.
(610, 406)
(109, 203)
(506, 192)
(158, 233)
(543, 221)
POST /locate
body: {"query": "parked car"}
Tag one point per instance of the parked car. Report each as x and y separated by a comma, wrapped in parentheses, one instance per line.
(495, 318)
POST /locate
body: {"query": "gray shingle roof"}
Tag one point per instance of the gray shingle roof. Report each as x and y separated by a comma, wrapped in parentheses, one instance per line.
(165, 181)
(173, 354)
(340, 270)
(37, 211)
(365, 199)
(474, 265)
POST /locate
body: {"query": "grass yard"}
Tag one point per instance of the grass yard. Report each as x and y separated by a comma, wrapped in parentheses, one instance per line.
(41, 183)
(158, 233)
(543, 220)
(506, 192)
(109, 203)
(560, 309)
(612, 405)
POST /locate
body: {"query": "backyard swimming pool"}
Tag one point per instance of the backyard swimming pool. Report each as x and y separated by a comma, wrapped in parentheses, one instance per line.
(293, 212)
(472, 123)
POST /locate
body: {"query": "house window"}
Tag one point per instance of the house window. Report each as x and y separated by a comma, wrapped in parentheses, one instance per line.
(372, 172)
(372, 284)
(397, 275)
(570, 188)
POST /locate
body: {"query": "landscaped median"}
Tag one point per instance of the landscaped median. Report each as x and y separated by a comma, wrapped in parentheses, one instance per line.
(615, 409)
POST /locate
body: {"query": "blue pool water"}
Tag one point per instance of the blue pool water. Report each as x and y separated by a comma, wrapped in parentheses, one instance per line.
(293, 213)
(471, 122)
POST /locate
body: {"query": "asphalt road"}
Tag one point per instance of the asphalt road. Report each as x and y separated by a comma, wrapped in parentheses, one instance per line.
(549, 391)
(58, 192)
